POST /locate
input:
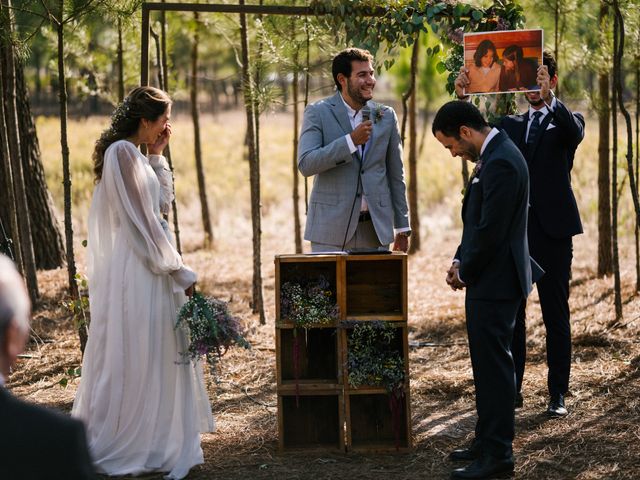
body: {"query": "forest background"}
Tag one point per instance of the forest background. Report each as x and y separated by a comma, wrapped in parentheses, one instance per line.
(240, 200)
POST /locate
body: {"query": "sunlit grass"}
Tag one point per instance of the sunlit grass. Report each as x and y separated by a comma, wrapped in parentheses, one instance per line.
(227, 173)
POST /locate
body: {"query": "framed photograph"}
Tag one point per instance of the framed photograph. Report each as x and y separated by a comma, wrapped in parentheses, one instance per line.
(504, 61)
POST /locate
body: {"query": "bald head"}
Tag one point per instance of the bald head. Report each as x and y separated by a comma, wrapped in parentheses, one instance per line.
(14, 313)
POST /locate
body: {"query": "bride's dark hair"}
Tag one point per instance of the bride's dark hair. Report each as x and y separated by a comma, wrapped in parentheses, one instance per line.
(142, 102)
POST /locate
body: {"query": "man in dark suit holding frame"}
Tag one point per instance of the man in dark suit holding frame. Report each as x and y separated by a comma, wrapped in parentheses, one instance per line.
(35, 443)
(548, 135)
(493, 264)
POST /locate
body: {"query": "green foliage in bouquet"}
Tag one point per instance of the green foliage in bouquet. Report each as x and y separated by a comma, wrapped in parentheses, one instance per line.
(372, 357)
(212, 329)
(310, 303)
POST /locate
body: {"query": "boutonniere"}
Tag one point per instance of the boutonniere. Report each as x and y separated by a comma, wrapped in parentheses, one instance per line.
(474, 176)
(476, 169)
(378, 112)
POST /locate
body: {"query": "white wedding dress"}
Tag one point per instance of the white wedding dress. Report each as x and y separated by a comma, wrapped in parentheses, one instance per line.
(143, 403)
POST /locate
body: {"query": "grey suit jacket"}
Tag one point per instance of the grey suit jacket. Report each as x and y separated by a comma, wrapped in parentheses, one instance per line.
(336, 196)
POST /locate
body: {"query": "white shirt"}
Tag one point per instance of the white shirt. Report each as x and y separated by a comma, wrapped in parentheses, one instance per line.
(355, 118)
(492, 133)
(544, 110)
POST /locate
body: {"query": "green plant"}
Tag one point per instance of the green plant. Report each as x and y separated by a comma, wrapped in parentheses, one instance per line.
(70, 374)
(79, 307)
(308, 303)
(372, 358)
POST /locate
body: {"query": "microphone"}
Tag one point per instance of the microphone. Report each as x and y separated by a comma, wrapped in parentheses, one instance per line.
(366, 113)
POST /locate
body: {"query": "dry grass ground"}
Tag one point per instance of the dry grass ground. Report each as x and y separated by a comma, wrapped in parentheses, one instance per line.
(599, 439)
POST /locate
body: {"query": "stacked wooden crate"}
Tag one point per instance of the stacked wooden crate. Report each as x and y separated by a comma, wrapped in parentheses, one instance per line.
(319, 409)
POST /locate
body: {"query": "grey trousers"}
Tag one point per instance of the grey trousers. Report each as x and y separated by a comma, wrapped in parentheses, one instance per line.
(364, 237)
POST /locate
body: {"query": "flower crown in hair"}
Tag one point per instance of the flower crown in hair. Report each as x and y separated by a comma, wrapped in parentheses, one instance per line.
(121, 112)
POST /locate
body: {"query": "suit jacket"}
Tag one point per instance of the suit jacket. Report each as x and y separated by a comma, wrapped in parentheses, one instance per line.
(494, 252)
(36, 443)
(335, 198)
(550, 161)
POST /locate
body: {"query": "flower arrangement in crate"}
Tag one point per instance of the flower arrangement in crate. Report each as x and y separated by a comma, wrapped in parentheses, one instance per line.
(373, 360)
(211, 328)
(307, 303)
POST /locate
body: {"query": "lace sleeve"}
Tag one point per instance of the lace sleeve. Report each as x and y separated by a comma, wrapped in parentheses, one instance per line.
(127, 187)
(165, 177)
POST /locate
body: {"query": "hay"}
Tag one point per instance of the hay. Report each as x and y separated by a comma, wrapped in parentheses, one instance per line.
(599, 439)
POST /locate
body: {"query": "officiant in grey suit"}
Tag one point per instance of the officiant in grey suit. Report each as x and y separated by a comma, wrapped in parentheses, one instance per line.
(352, 146)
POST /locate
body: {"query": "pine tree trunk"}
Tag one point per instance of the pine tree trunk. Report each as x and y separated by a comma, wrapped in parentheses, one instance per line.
(46, 235)
(623, 109)
(296, 127)
(195, 115)
(66, 172)
(413, 153)
(556, 44)
(614, 180)
(120, 55)
(307, 76)
(15, 158)
(12, 245)
(605, 265)
(254, 173)
(637, 229)
(164, 85)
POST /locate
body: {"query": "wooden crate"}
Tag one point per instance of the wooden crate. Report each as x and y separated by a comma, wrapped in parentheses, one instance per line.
(376, 287)
(320, 410)
(368, 417)
(292, 268)
(370, 424)
(311, 420)
(400, 344)
(319, 358)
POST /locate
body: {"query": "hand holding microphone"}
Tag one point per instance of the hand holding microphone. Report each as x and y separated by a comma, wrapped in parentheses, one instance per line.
(360, 135)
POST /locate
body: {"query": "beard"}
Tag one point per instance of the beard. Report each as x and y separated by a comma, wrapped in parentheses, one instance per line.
(537, 102)
(356, 94)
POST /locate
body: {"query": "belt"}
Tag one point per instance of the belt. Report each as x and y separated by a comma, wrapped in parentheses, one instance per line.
(364, 216)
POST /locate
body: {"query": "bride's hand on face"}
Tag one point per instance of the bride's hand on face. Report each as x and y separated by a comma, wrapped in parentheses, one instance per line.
(161, 142)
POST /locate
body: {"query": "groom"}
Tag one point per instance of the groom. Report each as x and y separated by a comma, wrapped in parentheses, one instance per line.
(352, 146)
(492, 263)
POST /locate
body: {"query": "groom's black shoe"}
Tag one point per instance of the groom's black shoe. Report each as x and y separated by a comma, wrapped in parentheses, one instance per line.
(467, 454)
(556, 406)
(519, 400)
(485, 467)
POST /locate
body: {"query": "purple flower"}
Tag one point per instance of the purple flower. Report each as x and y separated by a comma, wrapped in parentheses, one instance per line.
(456, 35)
(503, 24)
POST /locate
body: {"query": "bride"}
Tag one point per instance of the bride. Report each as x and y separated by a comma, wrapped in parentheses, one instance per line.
(144, 405)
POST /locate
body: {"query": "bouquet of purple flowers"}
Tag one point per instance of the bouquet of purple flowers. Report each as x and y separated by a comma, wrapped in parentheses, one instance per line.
(212, 329)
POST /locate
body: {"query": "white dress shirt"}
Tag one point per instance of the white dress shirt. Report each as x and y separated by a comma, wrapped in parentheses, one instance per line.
(355, 118)
(546, 109)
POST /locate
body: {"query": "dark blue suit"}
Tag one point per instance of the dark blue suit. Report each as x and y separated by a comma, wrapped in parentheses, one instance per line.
(553, 220)
(40, 444)
(497, 269)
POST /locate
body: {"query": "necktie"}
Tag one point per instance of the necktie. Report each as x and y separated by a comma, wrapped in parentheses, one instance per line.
(534, 128)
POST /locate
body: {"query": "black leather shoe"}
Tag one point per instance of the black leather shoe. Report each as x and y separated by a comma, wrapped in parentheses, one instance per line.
(556, 406)
(486, 467)
(467, 454)
(519, 400)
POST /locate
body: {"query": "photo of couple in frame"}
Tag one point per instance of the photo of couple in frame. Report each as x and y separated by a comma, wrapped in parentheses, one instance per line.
(502, 62)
